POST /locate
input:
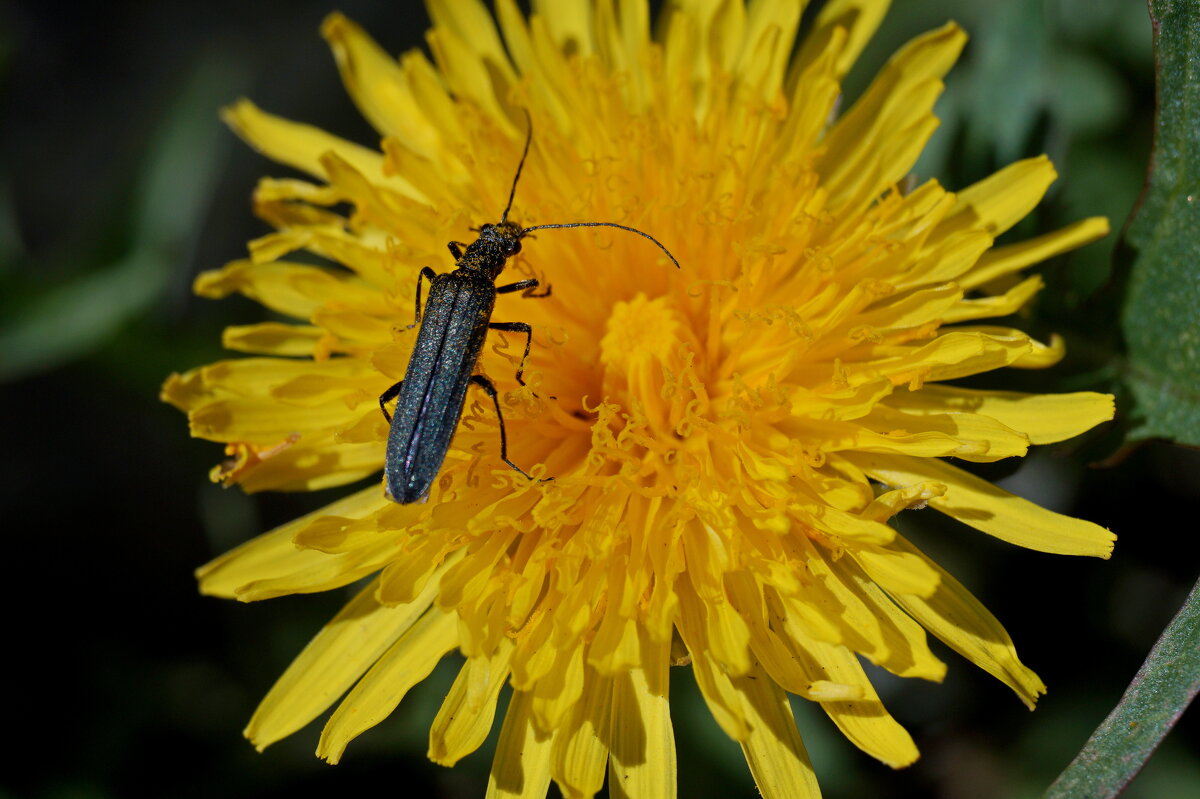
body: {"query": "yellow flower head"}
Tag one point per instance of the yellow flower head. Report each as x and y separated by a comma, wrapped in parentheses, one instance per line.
(728, 439)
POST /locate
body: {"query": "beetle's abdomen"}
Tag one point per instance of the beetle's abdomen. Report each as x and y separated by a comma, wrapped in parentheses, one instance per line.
(450, 338)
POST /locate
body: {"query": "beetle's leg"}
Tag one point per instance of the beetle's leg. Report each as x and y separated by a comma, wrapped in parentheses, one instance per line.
(429, 275)
(490, 390)
(526, 287)
(456, 248)
(516, 327)
(387, 397)
(520, 285)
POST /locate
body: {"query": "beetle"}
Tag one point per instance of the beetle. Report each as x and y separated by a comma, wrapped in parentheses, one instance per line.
(458, 312)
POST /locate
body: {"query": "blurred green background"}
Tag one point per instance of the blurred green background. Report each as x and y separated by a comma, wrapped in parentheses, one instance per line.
(118, 184)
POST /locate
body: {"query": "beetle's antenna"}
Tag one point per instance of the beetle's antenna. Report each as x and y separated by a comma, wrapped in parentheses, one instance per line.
(674, 260)
(513, 191)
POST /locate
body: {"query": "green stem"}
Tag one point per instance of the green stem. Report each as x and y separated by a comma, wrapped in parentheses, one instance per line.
(1153, 703)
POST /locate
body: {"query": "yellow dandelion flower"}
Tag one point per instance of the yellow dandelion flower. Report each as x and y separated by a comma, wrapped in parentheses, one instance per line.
(729, 440)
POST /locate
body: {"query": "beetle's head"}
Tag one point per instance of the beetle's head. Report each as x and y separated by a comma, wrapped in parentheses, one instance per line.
(504, 236)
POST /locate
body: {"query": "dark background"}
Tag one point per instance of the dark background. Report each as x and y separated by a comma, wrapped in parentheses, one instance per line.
(118, 184)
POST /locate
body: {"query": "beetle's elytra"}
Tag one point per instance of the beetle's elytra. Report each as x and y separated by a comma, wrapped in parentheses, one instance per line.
(458, 313)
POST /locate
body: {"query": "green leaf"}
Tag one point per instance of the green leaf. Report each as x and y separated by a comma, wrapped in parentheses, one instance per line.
(71, 320)
(1009, 78)
(1154, 701)
(176, 183)
(1161, 317)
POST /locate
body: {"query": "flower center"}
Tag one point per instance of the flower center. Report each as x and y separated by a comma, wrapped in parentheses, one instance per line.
(647, 353)
(639, 336)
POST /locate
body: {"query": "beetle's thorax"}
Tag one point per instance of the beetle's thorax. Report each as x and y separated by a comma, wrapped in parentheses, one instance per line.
(495, 245)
